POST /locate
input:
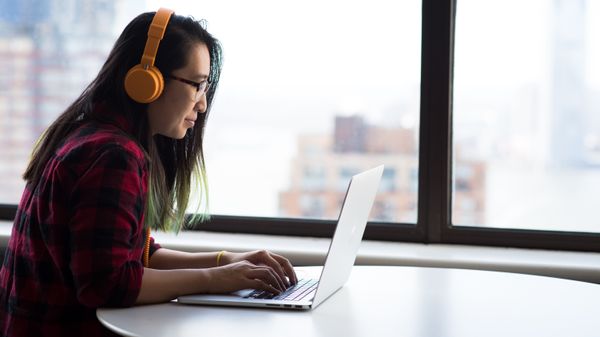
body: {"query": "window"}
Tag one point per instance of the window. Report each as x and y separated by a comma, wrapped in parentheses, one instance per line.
(388, 180)
(526, 122)
(311, 93)
(299, 96)
(44, 65)
(484, 113)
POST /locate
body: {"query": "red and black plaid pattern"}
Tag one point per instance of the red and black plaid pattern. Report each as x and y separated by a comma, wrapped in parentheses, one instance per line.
(77, 237)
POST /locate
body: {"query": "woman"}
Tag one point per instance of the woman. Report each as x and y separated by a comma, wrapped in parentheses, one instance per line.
(111, 167)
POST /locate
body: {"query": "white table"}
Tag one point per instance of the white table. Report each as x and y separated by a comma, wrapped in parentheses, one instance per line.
(393, 301)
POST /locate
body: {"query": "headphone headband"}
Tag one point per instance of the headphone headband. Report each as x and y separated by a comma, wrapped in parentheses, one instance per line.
(155, 34)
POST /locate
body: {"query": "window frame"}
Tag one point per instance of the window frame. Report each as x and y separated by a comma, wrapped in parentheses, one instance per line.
(435, 157)
(435, 170)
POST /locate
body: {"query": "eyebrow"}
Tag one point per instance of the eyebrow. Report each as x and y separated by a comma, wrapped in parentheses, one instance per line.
(201, 77)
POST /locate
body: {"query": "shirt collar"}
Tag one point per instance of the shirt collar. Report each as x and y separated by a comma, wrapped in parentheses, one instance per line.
(110, 116)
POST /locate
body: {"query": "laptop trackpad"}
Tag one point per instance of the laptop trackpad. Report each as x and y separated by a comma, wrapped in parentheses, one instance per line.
(243, 292)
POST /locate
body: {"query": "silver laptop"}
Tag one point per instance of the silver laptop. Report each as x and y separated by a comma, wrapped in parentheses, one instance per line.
(308, 294)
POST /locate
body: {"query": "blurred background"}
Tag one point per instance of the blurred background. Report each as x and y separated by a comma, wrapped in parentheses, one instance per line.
(313, 92)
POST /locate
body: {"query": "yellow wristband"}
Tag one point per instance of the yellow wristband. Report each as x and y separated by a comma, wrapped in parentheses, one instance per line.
(219, 257)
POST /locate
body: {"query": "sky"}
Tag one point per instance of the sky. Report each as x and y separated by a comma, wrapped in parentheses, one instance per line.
(520, 28)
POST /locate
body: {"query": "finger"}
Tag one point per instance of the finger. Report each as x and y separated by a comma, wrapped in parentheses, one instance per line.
(287, 266)
(261, 285)
(278, 279)
(273, 263)
(268, 262)
(267, 275)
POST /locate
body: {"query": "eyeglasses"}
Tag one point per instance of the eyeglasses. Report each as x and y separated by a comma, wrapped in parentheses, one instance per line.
(201, 87)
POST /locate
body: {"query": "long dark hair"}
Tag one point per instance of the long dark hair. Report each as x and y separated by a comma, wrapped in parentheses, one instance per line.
(175, 165)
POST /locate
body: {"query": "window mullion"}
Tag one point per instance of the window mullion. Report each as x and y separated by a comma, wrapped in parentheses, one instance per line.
(435, 128)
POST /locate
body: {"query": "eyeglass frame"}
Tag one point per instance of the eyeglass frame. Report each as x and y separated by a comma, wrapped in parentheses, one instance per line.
(197, 85)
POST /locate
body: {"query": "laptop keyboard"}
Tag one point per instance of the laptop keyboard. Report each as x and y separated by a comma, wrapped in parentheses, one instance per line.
(300, 290)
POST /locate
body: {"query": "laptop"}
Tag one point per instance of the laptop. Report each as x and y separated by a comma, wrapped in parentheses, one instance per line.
(308, 293)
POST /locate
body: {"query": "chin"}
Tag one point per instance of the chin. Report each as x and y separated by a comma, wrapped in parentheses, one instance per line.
(175, 134)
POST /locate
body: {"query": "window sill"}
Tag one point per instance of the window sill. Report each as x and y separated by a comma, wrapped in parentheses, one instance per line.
(580, 266)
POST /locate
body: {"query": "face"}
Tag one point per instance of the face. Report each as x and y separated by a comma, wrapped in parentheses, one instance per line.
(176, 110)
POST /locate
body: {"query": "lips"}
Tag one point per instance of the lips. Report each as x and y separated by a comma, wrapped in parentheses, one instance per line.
(190, 121)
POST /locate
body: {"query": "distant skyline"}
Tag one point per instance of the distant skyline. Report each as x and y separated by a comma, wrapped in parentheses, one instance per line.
(289, 70)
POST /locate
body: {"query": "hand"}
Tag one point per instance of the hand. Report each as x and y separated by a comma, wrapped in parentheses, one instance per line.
(244, 275)
(282, 266)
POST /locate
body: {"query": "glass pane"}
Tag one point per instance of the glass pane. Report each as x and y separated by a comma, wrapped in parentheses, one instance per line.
(526, 114)
(311, 93)
(49, 52)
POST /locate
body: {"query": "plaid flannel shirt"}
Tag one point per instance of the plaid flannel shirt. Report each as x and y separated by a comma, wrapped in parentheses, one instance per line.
(78, 237)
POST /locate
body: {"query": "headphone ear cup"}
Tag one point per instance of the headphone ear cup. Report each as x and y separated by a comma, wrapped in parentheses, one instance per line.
(144, 85)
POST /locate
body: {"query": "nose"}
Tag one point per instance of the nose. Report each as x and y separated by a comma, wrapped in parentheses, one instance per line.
(200, 106)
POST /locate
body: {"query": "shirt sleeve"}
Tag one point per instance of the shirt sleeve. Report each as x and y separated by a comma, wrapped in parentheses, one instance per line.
(153, 246)
(108, 201)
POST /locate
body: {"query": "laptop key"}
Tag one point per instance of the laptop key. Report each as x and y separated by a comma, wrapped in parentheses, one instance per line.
(309, 294)
(266, 295)
(291, 290)
(297, 291)
(294, 293)
(304, 292)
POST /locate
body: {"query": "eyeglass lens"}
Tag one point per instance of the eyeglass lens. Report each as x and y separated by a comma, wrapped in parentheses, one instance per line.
(202, 89)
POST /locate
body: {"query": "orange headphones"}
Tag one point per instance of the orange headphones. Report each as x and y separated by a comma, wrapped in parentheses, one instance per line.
(144, 83)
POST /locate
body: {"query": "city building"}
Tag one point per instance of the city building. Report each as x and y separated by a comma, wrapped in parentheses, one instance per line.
(44, 65)
(326, 162)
